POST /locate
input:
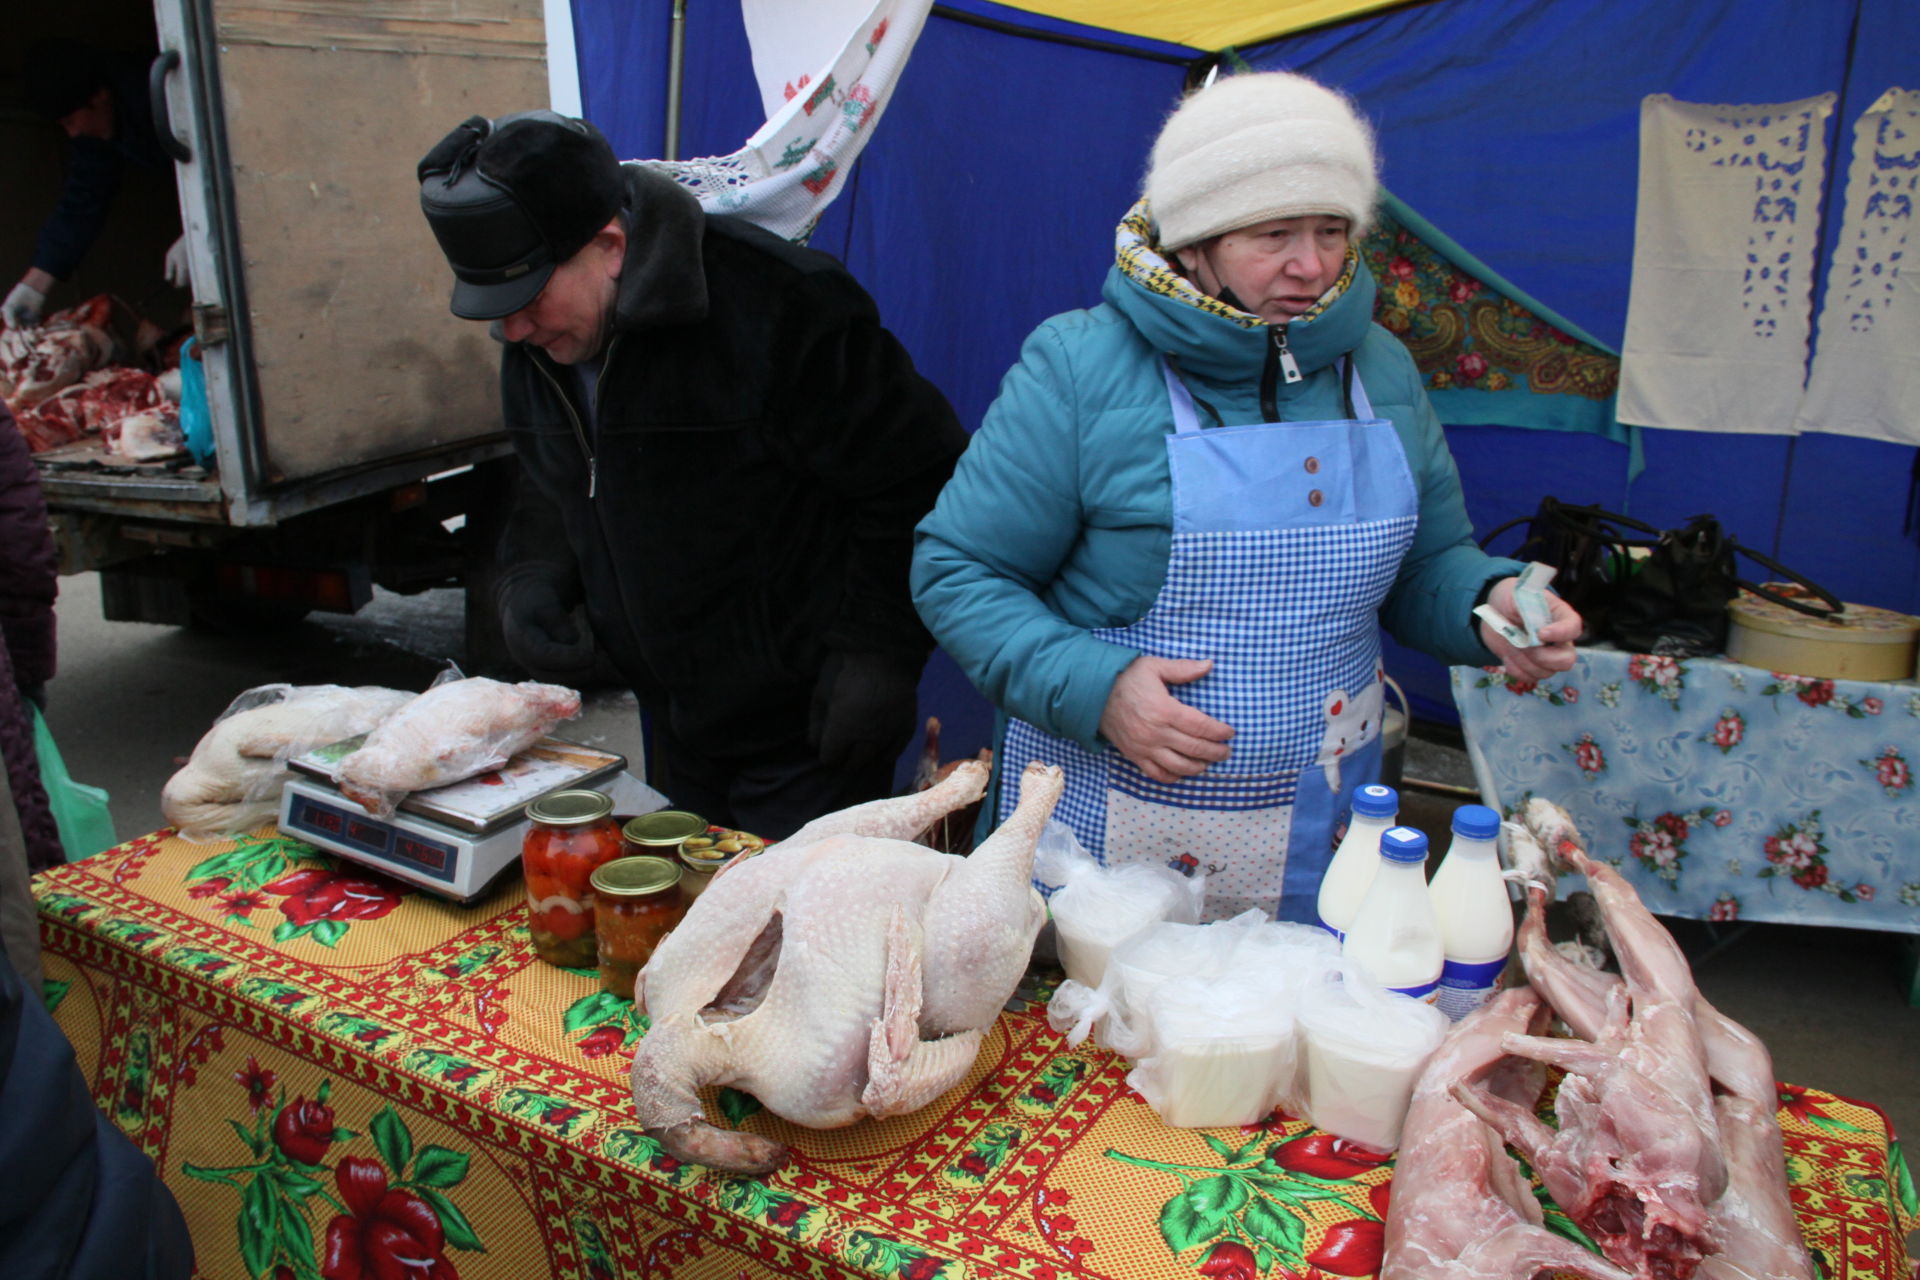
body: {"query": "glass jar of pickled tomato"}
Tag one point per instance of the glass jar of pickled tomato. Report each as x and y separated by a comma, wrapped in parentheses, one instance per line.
(636, 903)
(572, 835)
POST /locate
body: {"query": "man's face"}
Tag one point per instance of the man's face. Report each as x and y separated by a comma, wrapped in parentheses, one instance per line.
(1277, 269)
(568, 319)
(95, 120)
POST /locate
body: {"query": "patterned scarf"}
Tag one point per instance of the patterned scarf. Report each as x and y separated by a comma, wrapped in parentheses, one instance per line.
(1143, 263)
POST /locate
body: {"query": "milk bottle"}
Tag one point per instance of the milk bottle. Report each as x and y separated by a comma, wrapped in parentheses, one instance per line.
(1470, 902)
(1394, 934)
(1351, 871)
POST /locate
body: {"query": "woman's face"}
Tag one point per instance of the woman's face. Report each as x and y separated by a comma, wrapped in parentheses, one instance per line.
(1276, 269)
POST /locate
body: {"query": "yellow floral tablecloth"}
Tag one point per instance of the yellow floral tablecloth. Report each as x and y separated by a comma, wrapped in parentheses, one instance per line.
(339, 1077)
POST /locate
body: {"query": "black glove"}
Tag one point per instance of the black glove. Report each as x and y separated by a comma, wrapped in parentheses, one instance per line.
(866, 706)
(544, 629)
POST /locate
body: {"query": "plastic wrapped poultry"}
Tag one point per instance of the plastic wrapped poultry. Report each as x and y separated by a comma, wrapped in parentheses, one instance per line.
(456, 729)
(231, 782)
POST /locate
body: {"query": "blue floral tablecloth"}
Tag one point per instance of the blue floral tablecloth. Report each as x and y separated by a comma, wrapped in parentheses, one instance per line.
(1723, 792)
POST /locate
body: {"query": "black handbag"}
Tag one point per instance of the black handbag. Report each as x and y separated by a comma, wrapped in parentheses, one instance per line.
(1589, 547)
(1670, 600)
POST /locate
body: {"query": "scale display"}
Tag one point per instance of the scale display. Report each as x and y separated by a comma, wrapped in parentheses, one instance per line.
(345, 824)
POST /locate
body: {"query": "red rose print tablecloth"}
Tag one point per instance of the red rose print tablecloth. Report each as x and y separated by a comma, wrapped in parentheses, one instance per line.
(342, 1078)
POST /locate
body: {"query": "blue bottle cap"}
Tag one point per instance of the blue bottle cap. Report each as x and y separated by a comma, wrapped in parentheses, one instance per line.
(1403, 844)
(1375, 801)
(1476, 822)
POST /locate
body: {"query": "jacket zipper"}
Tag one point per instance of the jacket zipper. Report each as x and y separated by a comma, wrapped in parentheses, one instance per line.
(580, 431)
(1279, 362)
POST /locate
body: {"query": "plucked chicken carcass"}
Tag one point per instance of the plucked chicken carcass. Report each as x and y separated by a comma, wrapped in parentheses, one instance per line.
(845, 972)
(452, 731)
(1462, 1208)
(231, 783)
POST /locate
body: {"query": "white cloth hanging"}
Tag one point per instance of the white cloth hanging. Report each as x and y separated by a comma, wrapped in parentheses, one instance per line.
(1866, 370)
(1723, 247)
(790, 170)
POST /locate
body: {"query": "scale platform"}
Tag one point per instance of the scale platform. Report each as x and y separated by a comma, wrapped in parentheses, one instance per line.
(452, 841)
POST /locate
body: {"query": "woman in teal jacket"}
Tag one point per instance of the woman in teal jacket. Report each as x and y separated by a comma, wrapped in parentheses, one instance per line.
(1167, 551)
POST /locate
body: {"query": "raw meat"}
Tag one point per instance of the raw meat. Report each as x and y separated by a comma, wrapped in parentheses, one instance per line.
(843, 973)
(1461, 1208)
(1637, 1159)
(148, 436)
(231, 783)
(452, 731)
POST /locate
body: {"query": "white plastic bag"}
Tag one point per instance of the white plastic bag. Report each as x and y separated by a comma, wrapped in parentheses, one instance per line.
(231, 783)
(1096, 908)
(1365, 1049)
(460, 727)
(1224, 1052)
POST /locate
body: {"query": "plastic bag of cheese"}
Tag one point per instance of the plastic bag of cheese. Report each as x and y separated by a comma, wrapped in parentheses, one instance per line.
(1224, 1052)
(1096, 908)
(1365, 1048)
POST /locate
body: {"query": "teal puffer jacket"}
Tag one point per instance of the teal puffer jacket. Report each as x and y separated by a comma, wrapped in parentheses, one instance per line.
(1058, 518)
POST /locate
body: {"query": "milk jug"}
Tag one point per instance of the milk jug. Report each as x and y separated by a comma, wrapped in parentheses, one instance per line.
(1351, 871)
(1470, 902)
(1394, 934)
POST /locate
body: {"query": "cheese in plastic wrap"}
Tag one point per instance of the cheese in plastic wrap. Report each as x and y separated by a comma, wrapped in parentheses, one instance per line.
(1224, 1055)
(1365, 1049)
(1096, 908)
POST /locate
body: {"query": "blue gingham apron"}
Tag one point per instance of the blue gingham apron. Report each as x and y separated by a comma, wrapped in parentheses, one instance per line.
(1286, 539)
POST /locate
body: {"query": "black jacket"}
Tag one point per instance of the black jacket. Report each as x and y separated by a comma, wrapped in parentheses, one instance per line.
(94, 166)
(761, 452)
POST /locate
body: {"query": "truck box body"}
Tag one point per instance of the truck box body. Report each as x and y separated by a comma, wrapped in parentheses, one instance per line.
(337, 380)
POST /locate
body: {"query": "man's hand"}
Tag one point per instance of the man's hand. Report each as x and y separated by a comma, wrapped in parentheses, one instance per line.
(542, 630)
(23, 306)
(1168, 739)
(865, 706)
(1552, 655)
(179, 274)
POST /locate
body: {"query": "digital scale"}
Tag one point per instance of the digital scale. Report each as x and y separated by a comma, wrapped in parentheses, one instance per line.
(453, 840)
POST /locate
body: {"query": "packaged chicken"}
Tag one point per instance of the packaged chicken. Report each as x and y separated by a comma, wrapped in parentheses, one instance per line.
(231, 782)
(1365, 1048)
(1096, 908)
(460, 727)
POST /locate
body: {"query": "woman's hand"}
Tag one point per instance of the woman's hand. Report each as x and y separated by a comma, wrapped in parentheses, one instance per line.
(1168, 739)
(1552, 655)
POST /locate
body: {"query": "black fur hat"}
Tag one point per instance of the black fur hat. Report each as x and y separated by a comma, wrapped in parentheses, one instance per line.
(511, 199)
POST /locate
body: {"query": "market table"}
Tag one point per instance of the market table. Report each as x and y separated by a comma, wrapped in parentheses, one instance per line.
(1722, 792)
(323, 1063)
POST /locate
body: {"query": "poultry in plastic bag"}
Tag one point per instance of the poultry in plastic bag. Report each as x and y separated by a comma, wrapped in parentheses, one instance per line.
(456, 729)
(231, 782)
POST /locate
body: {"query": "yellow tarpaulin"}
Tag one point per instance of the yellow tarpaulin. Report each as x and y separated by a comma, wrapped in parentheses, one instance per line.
(1204, 24)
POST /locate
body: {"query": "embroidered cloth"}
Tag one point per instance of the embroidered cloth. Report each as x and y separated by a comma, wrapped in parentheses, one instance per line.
(1724, 238)
(1866, 370)
(326, 1065)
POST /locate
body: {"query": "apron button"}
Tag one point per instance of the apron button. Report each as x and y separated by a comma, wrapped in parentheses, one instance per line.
(1315, 498)
(1313, 466)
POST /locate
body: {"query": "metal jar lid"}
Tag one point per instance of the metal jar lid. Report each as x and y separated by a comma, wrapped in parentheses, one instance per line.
(667, 826)
(570, 808)
(635, 877)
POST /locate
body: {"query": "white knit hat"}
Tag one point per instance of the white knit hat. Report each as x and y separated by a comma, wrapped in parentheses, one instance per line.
(1253, 147)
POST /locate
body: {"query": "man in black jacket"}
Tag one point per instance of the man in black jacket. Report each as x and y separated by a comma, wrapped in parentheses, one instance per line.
(723, 455)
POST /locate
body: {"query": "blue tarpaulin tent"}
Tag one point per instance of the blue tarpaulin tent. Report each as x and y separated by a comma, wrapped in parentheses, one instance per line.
(1017, 137)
